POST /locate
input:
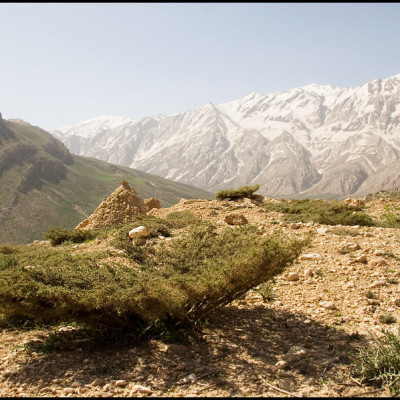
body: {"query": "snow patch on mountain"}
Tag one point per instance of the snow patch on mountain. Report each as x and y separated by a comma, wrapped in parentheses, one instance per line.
(316, 139)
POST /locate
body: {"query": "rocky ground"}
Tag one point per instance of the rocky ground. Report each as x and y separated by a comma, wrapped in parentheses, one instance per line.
(336, 298)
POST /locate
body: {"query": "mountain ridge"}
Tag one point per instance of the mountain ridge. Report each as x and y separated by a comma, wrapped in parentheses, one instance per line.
(291, 143)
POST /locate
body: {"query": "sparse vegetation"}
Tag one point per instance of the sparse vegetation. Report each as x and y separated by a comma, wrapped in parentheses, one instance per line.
(320, 211)
(342, 231)
(387, 318)
(370, 295)
(267, 292)
(391, 219)
(379, 364)
(234, 194)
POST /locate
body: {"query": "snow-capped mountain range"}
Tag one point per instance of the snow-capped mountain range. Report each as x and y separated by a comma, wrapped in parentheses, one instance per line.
(316, 140)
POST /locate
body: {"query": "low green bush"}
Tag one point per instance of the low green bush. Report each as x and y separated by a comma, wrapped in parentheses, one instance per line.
(391, 219)
(325, 212)
(379, 363)
(58, 235)
(183, 219)
(234, 194)
(176, 282)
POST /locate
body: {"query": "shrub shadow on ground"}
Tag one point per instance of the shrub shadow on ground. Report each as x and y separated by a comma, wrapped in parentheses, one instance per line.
(230, 352)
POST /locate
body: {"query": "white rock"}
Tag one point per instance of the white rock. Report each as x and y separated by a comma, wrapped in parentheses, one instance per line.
(310, 256)
(121, 383)
(378, 283)
(140, 389)
(139, 231)
(323, 230)
(281, 364)
(329, 305)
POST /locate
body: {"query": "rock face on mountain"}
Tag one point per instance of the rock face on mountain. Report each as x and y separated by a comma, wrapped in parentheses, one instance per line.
(116, 209)
(310, 141)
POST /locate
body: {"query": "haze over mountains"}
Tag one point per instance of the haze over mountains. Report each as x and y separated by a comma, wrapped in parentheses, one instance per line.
(313, 141)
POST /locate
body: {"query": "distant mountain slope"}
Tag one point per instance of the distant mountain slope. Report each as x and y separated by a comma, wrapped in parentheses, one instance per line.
(312, 140)
(43, 185)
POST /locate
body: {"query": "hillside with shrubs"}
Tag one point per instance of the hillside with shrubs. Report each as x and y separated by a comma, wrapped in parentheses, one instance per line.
(241, 295)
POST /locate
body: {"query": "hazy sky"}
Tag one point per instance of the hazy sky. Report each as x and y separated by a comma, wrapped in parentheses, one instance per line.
(63, 63)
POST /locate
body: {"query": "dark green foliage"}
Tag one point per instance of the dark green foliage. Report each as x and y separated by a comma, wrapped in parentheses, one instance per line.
(320, 211)
(379, 364)
(175, 283)
(8, 249)
(59, 235)
(8, 261)
(241, 193)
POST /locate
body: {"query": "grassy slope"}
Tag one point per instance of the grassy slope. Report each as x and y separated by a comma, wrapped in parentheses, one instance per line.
(67, 197)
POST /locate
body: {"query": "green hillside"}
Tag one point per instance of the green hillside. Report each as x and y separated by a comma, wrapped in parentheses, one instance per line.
(42, 184)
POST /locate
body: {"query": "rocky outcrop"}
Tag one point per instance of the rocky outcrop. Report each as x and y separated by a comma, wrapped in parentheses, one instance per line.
(117, 209)
(151, 203)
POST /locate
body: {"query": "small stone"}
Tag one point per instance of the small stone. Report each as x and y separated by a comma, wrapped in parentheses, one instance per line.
(107, 387)
(67, 328)
(295, 353)
(362, 259)
(310, 256)
(323, 230)
(140, 389)
(377, 262)
(281, 364)
(308, 273)
(139, 231)
(121, 383)
(329, 305)
(98, 382)
(350, 247)
(350, 285)
(379, 252)
(285, 374)
(295, 225)
(236, 219)
(293, 276)
(378, 283)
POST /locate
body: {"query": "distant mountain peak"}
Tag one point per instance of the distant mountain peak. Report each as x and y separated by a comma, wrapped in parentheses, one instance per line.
(316, 139)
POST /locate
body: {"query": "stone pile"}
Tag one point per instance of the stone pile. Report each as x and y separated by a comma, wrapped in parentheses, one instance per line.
(116, 209)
